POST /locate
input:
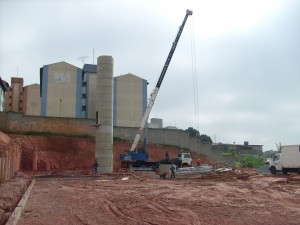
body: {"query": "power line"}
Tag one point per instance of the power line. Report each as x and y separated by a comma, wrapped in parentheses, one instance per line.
(194, 74)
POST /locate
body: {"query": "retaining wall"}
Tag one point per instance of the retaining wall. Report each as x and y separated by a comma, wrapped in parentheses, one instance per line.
(16, 122)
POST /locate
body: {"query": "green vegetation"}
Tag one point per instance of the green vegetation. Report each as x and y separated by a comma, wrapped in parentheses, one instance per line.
(250, 161)
(174, 146)
(118, 139)
(192, 132)
(195, 133)
(48, 134)
(228, 154)
(205, 139)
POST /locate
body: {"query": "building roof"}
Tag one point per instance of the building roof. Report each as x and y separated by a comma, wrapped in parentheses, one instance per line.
(32, 85)
(17, 80)
(90, 68)
(61, 62)
(129, 75)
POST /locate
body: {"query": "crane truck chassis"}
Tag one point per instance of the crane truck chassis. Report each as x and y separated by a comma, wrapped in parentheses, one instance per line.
(139, 157)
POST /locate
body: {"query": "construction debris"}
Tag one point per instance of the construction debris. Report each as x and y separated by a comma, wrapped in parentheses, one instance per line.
(222, 170)
(198, 169)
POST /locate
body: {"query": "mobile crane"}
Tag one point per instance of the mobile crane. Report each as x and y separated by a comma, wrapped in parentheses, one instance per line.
(140, 158)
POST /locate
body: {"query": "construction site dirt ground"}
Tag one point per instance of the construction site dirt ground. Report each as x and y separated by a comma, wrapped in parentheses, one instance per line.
(144, 198)
(69, 193)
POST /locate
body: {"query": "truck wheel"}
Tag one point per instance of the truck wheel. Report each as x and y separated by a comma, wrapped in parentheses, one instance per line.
(273, 170)
(298, 171)
(284, 171)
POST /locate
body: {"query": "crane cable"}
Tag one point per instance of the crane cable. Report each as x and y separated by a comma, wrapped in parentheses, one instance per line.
(194, 74)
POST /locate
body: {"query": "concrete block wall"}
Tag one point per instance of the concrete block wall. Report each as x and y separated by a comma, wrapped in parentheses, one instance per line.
(16, 122)
(178, 138)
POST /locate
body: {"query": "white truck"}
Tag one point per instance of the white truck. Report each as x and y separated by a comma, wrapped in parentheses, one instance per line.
(183, 159)
(286, 161)
(186, 159)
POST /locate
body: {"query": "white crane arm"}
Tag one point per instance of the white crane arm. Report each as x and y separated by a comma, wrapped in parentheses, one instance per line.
(145, 118)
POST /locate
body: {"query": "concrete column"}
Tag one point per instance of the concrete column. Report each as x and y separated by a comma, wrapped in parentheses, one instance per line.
(19, 158)
(47, 166)
(1, 169)
(104, 107)
(2, 165)
(7, 165)
(14, 160)
(34, 159)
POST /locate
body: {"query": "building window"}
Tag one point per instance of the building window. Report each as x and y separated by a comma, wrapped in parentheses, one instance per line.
(83, 108)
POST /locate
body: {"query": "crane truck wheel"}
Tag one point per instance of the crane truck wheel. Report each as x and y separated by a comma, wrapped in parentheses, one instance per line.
(273, 170)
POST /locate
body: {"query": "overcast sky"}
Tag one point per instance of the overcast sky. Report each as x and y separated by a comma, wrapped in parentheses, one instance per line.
(247, 57)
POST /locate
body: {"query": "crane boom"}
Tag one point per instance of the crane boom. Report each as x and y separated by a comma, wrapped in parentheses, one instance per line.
(157, 87)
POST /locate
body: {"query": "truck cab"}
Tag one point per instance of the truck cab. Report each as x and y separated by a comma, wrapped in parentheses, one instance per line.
(275, 163)
(186, 159)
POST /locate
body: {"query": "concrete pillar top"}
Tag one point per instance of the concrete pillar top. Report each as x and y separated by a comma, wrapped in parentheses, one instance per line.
(105, 59)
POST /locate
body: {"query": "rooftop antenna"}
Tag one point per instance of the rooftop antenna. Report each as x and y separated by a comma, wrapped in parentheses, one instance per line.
(82, 58)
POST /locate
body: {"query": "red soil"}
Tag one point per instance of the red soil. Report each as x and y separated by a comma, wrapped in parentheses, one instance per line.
(79, 153)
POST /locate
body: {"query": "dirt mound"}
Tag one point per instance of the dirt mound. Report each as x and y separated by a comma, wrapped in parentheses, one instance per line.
(77, 153)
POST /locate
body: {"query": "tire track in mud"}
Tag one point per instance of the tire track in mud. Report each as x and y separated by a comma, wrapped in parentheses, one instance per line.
(136, 211)
(77, 217)
(159, 202)
(139, 202)
(117, 212)
(175, 213)
(107, 205)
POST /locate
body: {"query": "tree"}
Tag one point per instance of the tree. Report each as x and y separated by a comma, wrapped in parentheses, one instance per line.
(278, 146)
(193, 132)
(205, 139)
